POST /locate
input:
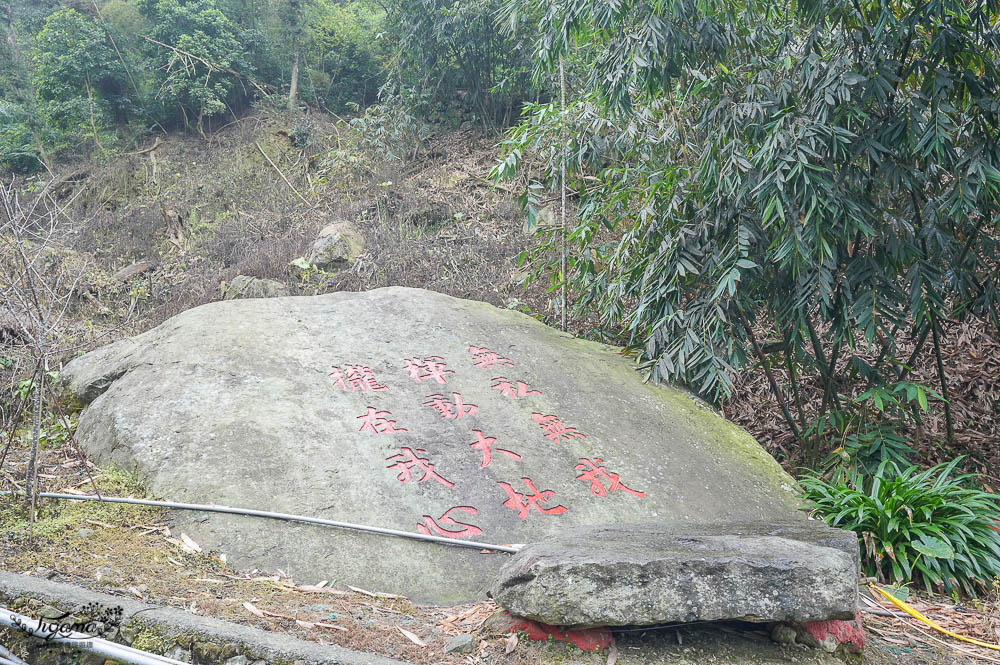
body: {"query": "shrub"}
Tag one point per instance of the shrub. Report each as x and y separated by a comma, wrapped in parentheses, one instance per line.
(389, 130)
(929, 526)
(871, 428)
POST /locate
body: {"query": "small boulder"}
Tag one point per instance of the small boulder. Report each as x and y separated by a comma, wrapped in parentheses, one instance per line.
(336, 247)
(652, 574)
(243, 286)
(464, 643)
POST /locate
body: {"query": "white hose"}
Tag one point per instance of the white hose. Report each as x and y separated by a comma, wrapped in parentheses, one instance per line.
(7, 658)
(82, 641)
(279, 516)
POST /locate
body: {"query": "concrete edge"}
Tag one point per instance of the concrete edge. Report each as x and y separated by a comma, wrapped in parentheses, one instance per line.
(172, 632)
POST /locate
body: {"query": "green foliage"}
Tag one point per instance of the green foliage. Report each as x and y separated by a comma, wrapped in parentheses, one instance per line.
(203, 71)
(17, 144)
(312, 278)
(25, 386)
(453, 52)
(344, 53)
(18, 120)
(77, 74)
(53, 434)
(125, 22)
(825, 171)
(872, 428)
(930, 526)
(112, 71)
(389, 131)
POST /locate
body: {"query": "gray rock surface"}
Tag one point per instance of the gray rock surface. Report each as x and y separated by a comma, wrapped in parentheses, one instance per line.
(243, 286)
(651, 574)
(278, 404)
(464, 643)
(336, 247)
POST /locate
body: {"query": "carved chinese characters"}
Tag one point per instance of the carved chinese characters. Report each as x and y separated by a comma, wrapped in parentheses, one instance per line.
(523, 503)
(455, 408)
(555, 429)
(377, 422)
(356, 377)
(526, 495)
(597, 476)
(485, 444)
(508, 389)
(429, 368)
(408, 460)
(483, 358)
(428, 524)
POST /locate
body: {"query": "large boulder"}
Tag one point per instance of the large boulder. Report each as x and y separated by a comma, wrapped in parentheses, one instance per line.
(412, 410)
(651, 574)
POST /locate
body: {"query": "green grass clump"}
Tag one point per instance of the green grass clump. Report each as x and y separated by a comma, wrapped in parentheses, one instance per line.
(930, 526)
(57, 516)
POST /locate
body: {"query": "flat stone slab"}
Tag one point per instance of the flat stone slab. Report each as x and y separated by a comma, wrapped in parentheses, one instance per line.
(412, 410)
(654, 574)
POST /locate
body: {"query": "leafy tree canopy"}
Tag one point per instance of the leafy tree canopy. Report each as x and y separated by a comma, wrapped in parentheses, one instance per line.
(75, 65)
(825, 170)
(200, 65)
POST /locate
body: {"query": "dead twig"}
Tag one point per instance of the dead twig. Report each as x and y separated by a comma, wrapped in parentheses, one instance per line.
(290, 185)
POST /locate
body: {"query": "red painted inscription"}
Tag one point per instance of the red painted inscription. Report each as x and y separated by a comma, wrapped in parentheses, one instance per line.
(485, 444)
(523, 503)
(377, 422)
(450, 409)
(431, 368)
(428, 524)
(356, 377)
(483, 358)
(408, 460)
(595, 473)
(555, 429)
(516, 390)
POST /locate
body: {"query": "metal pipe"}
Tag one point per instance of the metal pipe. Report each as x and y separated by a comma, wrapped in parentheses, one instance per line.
(85, 642)
(279, 516)
(7, 658)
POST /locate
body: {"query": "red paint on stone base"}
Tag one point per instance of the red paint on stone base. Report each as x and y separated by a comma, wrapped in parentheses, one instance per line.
(848, 634)
(587, 639)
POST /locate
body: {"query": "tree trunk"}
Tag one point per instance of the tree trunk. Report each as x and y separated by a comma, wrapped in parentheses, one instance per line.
(93, 124)
(11, 37)
(36, 431)
(293, 89)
